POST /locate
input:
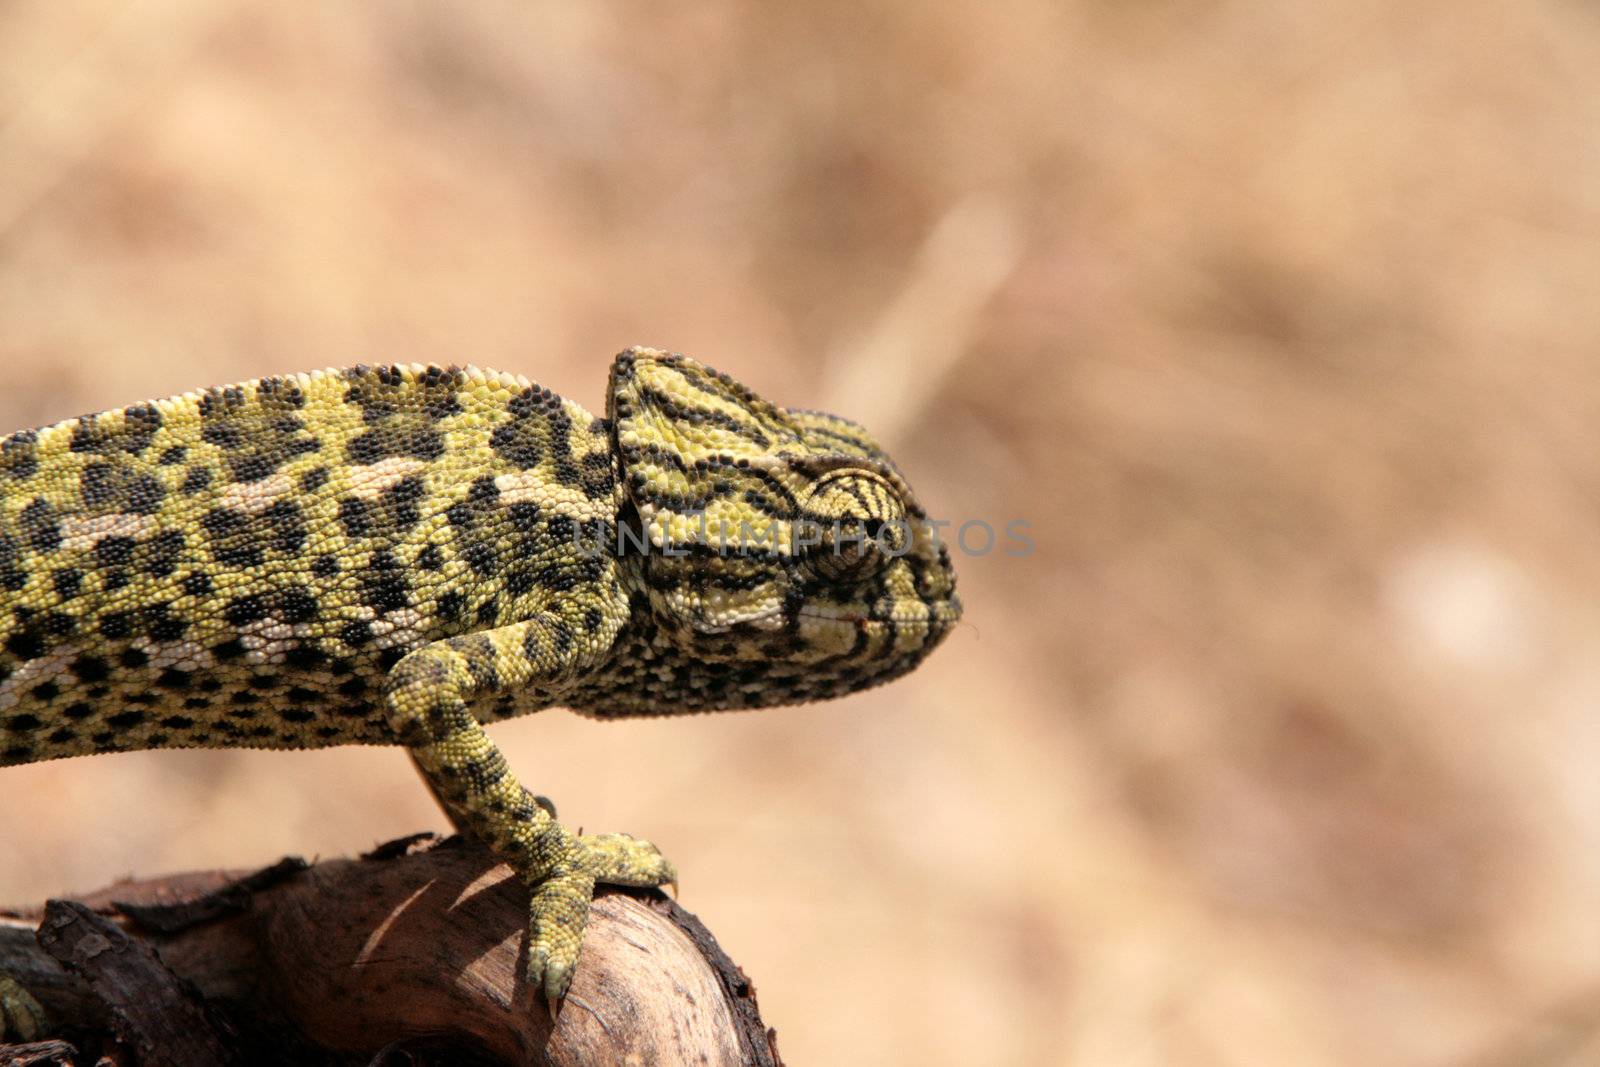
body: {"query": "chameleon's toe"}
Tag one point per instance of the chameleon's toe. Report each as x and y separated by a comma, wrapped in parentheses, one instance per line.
(560, 909)
(618, 859)
(21, 1016)
(561, 901)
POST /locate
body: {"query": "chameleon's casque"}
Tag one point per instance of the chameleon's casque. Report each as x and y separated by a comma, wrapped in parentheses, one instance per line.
(397, 554)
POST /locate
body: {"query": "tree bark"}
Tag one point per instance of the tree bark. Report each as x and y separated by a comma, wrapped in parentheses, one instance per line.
(417, 948)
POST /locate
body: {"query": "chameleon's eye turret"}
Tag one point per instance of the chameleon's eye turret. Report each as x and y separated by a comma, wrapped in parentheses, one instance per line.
(860, 525)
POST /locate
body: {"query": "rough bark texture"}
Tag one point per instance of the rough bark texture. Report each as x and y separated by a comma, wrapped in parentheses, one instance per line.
(411, 954)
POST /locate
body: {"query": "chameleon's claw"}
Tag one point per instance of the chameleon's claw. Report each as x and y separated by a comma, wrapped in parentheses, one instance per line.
(553, 979)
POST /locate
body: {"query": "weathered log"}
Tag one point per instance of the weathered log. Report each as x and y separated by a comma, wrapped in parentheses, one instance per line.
(418, 946)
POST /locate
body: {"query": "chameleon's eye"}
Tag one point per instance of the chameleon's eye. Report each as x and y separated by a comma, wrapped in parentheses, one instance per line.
(860, 525)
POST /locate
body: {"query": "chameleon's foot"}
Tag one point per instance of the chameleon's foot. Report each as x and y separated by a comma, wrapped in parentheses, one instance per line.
(561, 902)
(21, 1016)
(618, 859)
(555, 930)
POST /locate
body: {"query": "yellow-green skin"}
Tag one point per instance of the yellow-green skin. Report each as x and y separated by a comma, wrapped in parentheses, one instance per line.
(395, 555)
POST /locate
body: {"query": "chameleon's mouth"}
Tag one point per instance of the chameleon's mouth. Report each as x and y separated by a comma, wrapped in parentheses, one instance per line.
(912, 617)
(906, 616)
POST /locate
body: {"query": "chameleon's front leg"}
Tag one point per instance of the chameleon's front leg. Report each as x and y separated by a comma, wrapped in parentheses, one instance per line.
(428, 697)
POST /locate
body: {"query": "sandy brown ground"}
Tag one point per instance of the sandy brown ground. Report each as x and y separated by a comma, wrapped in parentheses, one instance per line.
(1278, 322)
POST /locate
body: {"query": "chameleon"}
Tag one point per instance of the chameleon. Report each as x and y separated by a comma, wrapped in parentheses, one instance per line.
(400, 554)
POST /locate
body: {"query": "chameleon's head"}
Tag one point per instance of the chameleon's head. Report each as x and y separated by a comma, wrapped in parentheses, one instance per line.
(781, 551)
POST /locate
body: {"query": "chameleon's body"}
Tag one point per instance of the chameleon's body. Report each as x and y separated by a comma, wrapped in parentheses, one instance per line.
(395, 555)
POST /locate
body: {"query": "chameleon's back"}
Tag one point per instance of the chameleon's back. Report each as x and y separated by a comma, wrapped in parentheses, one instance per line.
(171, 571)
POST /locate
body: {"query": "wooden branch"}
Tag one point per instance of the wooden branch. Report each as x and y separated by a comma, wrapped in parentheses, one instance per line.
(418, 946)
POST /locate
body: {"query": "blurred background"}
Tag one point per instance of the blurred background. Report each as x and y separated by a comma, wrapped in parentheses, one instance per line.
(1279, 323)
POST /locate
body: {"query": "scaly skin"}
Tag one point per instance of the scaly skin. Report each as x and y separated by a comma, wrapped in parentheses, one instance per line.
(396, 555)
